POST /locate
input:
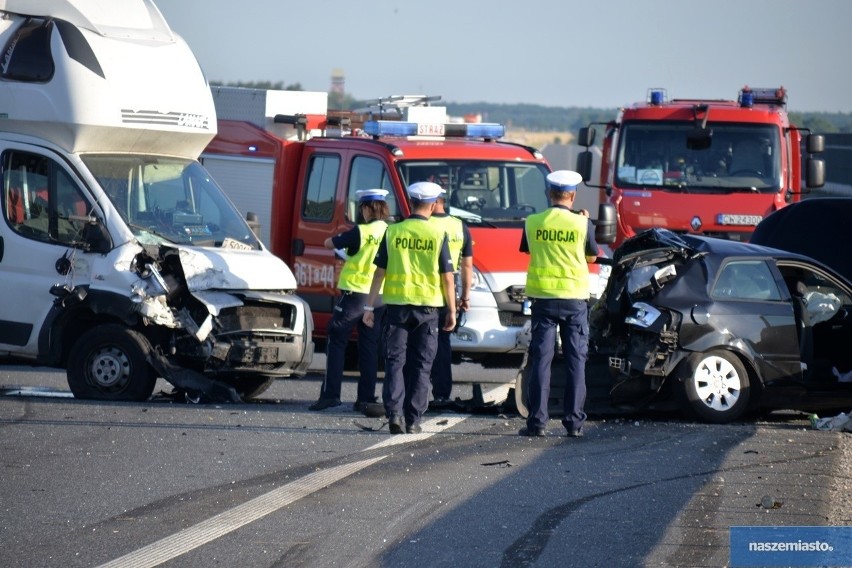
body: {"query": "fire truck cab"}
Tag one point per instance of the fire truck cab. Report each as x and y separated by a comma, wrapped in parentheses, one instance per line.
(712, 167)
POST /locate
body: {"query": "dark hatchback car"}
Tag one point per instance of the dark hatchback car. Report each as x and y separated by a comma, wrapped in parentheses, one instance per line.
(721, 327)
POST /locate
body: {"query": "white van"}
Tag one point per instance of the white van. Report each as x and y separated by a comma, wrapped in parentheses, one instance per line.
(120, 258)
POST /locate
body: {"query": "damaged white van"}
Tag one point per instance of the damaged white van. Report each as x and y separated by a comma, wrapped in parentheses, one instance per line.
(121, 260)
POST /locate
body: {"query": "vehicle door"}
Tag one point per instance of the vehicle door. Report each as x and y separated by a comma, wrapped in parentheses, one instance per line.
(329, 206)
(752, 311)
(40, 242)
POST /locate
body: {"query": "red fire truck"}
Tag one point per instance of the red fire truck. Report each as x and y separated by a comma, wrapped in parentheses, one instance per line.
(713, 167)
(282, 156)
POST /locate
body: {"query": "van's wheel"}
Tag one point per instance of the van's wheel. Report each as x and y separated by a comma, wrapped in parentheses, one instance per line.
(108, 362)
(714, 386)
(251, 386)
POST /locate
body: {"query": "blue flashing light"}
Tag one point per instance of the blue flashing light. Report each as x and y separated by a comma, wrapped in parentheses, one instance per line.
(390, 128)
(746, 98)
(252, 148)
(485, 130)
(656, 96)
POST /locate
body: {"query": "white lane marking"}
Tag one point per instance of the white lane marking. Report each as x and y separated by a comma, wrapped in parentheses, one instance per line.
(191, 538)
(232, 519)
(430, 428)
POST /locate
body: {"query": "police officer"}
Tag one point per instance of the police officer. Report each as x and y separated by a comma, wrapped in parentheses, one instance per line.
(360, 244)
(461, 252)
(415, 267)
(561, 243)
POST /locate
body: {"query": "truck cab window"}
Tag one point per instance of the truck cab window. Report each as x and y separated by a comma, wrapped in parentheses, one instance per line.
(41, 199)
(321, 187)
(368, 173)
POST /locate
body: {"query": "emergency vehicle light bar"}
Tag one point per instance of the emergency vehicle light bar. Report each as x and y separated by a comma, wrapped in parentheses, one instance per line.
(449, 130)
(748, 97)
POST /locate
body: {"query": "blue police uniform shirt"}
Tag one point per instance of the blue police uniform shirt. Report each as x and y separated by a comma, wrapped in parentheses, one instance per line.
(445, 262)
(591, 244)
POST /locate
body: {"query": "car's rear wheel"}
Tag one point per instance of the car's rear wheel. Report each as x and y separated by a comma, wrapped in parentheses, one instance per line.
(108, 362)
(714, 386)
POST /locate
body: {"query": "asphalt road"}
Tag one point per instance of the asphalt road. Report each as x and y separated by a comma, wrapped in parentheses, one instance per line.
(270, 484)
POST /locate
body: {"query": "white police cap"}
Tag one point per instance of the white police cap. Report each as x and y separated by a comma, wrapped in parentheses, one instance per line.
(564, 180)
(425, 191)
(371, 194)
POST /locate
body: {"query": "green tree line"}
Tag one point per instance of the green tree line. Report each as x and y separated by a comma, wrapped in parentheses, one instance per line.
(544, 118)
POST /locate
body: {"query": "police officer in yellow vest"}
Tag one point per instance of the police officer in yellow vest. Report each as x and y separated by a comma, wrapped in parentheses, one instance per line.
(561, 243)
(360, 243)
(415, 267)
(461, 252)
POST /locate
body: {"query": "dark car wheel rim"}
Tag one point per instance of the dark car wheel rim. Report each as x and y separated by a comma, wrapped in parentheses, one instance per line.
(717, 383)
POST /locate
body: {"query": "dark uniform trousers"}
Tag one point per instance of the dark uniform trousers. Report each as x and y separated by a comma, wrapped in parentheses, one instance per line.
(572, 320)
(442, 368)
(411, 341)
(347, 314)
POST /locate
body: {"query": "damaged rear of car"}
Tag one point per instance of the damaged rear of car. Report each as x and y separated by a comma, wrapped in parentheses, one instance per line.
(720, 327)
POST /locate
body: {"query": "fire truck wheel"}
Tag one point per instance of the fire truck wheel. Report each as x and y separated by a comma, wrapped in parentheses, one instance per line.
(108, 362)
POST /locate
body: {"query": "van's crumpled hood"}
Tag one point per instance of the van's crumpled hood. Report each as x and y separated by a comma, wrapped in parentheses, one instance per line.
(226, 269)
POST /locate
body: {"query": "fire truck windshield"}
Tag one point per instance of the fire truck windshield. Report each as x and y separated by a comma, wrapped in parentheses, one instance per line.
(491, 193)
(740, 158)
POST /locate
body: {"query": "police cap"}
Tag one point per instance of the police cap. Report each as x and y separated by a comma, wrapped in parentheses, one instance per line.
(425, 191)
(564, 180)
(371, 194)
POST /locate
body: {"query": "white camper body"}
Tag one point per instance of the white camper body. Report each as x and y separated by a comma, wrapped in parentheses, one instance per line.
(120, 257)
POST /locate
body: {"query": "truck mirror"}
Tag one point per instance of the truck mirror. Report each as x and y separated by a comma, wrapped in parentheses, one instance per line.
(584, 165)
(699, 138)
(605, 224)
(816, 172)
(586, 137)
(815, 143)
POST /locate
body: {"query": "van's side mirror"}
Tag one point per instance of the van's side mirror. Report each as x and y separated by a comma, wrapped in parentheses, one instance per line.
(95, 235)
(605, 224)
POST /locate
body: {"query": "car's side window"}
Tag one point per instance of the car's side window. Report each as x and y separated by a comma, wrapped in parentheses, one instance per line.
(746, 280)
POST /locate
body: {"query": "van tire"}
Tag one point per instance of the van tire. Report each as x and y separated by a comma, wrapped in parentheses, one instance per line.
(108, 362)
(714, 386)
(251, 386)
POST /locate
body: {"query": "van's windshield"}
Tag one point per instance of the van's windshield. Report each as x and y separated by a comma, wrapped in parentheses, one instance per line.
(170, 199)
(739, 158)
(483, 191)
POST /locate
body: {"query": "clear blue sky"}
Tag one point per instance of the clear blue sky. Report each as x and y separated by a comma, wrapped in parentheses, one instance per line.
(596, 53)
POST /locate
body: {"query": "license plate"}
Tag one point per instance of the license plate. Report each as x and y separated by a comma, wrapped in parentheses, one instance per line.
(728, 219)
